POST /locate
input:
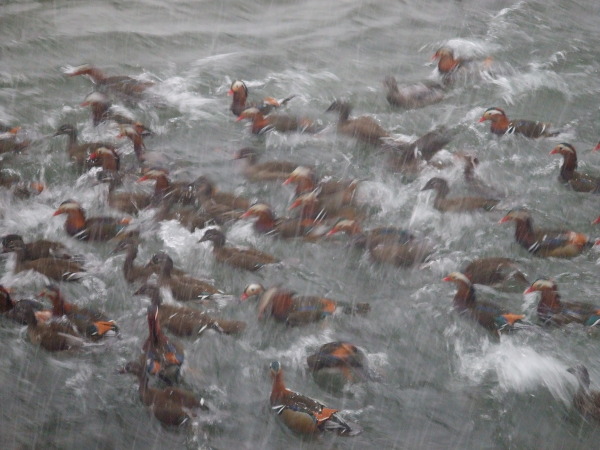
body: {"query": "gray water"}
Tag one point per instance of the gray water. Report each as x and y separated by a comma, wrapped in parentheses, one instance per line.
(444, 382)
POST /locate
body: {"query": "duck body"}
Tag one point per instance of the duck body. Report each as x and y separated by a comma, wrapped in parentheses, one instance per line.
(53, 268)
(486, 314)
(475, 184)
(89, 229)
(131, 271)
(278, 122)
(415, 95)
(285, 306)
(456, 204)
(41, 248)
(247, 259)
(552, 311)
(363, 128)
(408, 156)
(52, 335)
(578, 181)
(265, 171)
(122, 85)
(302, 414)
(79, 152)
(239, 93)
(17, 311)
(184, 322)
(545, 243)
(336, 359)
(103, 112)
(89, 322)
(493, 271)
(500, 125)
(284, 228)
(586, 401)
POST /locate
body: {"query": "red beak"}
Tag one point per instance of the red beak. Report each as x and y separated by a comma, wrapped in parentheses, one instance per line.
(483, 119)
(597, 147)
(504, 219)
(230, 92)
(529, 290)
(447, 279)
(244, 296)
(554, 151)
(597, 221)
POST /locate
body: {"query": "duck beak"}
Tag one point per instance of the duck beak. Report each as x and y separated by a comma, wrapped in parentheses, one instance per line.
(597, 147)
(244, 297)
(596, 221)
(529, 290)
(447, 279)
(246, 215)
(58, 212)
(230, 92)
(554, 151)
(481, 120)
(504, 219)
(295, 204)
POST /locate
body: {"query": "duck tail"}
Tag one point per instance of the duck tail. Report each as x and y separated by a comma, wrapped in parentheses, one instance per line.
(341, 426)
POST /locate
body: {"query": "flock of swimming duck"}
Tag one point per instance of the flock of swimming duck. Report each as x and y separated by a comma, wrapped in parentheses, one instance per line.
(325, 207)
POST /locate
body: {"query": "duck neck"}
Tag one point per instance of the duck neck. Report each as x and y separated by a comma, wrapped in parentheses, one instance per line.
(549, 302)
(6, 303)
(524, 233)
(72, 134)
(110, 162)
(447, 64)
(344, 115)
(162, 185)
(96, 75)
(266, 222)
(59, 306)
(99, 111)
(138, 145)
(500, 124)
(465, 296)
(128, 266)
(75, 221)
(259, 122)
(278, 387)
(305, 184)
(569, 165)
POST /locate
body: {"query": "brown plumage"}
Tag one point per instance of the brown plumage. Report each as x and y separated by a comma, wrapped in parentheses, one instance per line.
(239, 92)
(41, 248)
(415, 95)
(102, 112)
(409, 156)
(247, 259)
(578, 181)
(586, 401)
(363, 128)
(54, 268)
(264, 171)
(494, 271)
(9, 140)
(500, 124)
(282, 227)
(53, 335)
(121, 85)
(79, 152)
(89, 229)
(456, 204)
(278, 122)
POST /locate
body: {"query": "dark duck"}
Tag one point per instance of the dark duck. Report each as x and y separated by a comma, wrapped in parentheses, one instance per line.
(364, 128)
(586, 401)
(578, 181)
(79, 152)
(486, 314)
(278, 122)
(285, 228)
(10, 141)
(239, 93)
(302, 414)
(415, 95)
(285, 306)
(546, 242)
(551, 310)
(42, 248)
(52, 335)
(89, 322)
(18, 310)
(121, 85)
(264, 171)
(338, 363)
(494, 271)
(89, 229)
(500, 125)
(457, 204)
(411, 156)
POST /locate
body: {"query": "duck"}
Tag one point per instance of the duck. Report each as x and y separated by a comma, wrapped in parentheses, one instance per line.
(284, 228)
(278, 122)
(500, 125)
(239, 92)
(363, 128)
(89, 322)
(450, 67)
(330, 190)
(135, 133)
(172, 406)
(127, 201)
(17, 310)
(132, 272)
(42, 248)
(456, 204)
(79, 152)
(105, 157)
(486, 314)
(119, 84)
(52, 335)
(183, 286)
(161, 356)
(417, 95)
(410, 156)
(187, 215)
(553, 312)
(54, 268)
(338, 361)
(265, 171)
(165, 189)
(210, 197)
(9, 140)
(545, 242)
(475, 184)
(586, 401)
(102, 112)
(246, 259)
(89, 229)
(370, 238)
(285, 306)
(316, 207)
(182, 321)
(578, 181)
(302, 414)
(494, 271)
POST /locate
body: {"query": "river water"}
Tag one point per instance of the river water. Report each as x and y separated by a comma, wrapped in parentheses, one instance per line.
(443, 382)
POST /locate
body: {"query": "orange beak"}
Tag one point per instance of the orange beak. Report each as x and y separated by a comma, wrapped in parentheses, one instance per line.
(288, 181)
(483, 119)
(246, 215)
(58, 212)
(447, 279)
(331, 232)
(295, 204)
(554, 151)
(504, 219)
(142, 178)
(244, 297)
(529, 290)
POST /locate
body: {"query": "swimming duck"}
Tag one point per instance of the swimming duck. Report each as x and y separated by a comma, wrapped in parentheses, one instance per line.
(456, 204)
(52, 335)
(265, 171)
(79, 152)
(488, 315)
(450, 67)
(316, 207)
(363, 128)
(119, 84)
(105, 157)
(494, 271)
(102, 112)
(127, 201)
(9, 140)
(239, 92)
(182, 321)
(54, 268)
(284, 228)
(285, 306)
(338, 359)
(17, 311)
(165, 189)
(586, 401)
(474, 182)
(132, 272)
(578, 181)
(88, 322)
(544, 242)
(278, 122)
(247, 258)
(172, 406)
(552, 311)
(210, 197)
(340, 191)
(183, 287)
(500, 124)
(92, 229)
(41, 248)
(415, 95)
(161, 356)
(302, 414)
(410, 156)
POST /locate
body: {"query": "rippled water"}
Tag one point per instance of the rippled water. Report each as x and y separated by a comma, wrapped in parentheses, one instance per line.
(444, 382)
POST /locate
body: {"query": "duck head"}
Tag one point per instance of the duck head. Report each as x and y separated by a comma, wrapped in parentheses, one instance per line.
(253, 289)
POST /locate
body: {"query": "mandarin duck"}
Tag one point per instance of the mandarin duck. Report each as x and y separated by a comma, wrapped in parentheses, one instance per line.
(89, 229)
(456, 204)
(278, 122)
(121, 85)
(102, 111)
(544, 242)
(302, 414)
(364, 128)
(494, 271)
(265, 171)
(586, 401)
(239, 92)
(415, 95)
(552, 311)
(500, 125)
(338, 361)
(285, 306)
(578, 181)
(79, 152)
(52, 335)
(285, 228)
